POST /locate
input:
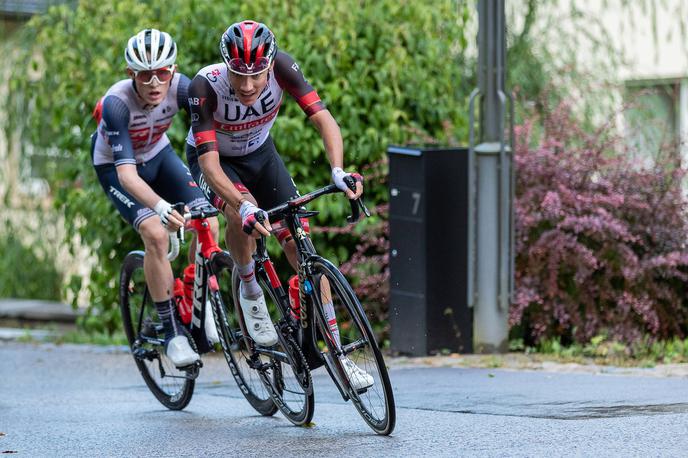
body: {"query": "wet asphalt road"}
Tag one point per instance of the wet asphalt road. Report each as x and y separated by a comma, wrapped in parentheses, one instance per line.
(90, 401)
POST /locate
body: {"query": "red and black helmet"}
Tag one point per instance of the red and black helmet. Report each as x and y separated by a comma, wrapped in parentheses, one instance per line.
(248, 47)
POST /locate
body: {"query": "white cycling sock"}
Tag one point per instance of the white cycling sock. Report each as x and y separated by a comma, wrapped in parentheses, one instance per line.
(328, 308)
(249, 286)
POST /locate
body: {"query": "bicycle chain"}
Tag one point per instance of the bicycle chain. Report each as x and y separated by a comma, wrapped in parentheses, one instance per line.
(304, 376)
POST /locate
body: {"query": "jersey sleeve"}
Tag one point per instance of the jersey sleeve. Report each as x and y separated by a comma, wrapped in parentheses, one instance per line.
(291, 79)
(116, 130)
(202, 103)
(183, 92)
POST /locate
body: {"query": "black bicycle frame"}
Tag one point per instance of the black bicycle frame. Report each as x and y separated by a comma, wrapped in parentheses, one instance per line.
(291, 213)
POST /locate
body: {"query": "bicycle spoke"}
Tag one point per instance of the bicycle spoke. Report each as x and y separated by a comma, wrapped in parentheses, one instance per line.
(171, 387)
(353, 339)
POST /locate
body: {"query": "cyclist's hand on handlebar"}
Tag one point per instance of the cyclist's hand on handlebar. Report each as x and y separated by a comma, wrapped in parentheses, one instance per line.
(254, 221)
(343, 180)
(169, 217)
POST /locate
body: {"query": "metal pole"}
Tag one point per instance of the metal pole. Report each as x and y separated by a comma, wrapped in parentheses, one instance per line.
(491, 188)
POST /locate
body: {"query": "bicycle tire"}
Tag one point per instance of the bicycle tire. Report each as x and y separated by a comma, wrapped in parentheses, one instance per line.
(376, 403)
(233, 345)
(137, 307)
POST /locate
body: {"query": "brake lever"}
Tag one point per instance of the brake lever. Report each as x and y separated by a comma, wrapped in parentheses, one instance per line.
(355, 211)
(179, 207)
(357, 205)
(364, 209)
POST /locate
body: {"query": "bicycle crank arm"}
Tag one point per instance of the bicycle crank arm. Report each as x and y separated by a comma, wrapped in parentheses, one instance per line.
(278, 355)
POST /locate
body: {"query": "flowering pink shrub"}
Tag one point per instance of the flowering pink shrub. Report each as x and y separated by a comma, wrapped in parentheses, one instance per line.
(600, 241)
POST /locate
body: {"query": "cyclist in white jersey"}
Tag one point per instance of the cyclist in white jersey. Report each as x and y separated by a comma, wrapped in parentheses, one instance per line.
(232, 157)
(140, 172)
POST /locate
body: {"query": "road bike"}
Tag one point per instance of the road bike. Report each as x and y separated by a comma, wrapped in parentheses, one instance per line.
(172, 386)
(268, 388)
(319, 282)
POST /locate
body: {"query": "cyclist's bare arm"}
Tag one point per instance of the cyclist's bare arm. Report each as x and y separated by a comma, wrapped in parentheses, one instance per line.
(331, 137)
(132, 182)
(291, 78)
(334, 146)
(116, 122)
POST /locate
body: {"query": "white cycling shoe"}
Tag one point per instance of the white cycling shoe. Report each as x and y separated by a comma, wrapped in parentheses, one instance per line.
(209, 325)
(258, 320)
(180, 352)
(359, 379)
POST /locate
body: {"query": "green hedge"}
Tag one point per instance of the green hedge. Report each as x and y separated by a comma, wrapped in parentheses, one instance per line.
(27, 268)
(389, 71)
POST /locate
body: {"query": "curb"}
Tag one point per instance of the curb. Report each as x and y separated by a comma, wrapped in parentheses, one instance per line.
(14, 334)
(37, 310)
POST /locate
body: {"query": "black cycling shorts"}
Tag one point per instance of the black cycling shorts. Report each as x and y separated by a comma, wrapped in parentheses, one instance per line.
(166, 174)
(261, 173)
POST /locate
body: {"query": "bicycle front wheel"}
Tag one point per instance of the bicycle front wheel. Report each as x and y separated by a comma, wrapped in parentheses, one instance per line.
(356, 342)
(172, 387)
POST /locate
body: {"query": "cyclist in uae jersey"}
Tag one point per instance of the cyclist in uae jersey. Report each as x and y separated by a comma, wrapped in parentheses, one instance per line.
(140, 172)
(233, 158)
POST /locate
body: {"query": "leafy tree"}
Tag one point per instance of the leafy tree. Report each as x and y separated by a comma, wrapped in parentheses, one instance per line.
(389, 71)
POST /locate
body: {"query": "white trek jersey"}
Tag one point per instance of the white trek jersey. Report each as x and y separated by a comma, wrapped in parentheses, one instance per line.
(240, 129)
(146, 126)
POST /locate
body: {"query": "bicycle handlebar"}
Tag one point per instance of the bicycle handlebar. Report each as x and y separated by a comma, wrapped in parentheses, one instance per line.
(357, 205)
(178, 236)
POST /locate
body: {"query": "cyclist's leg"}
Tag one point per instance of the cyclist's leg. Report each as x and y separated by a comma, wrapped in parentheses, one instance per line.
(157, 269)
(241, 246)
(153, 234)
(175, 184)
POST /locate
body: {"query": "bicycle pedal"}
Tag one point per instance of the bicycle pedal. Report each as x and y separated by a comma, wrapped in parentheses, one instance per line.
(143, 353)
(149, 330)
(192, 370)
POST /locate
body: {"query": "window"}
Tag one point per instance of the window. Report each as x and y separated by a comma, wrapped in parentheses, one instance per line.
(652, 119)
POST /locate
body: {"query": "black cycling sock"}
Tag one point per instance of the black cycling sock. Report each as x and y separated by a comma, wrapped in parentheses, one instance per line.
(169, 323)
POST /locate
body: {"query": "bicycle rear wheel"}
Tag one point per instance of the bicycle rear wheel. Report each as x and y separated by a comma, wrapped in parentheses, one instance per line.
(357, 342)
(172, 387)
(237, 354)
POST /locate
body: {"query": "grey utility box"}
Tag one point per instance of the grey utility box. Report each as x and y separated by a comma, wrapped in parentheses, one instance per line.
(428, 221)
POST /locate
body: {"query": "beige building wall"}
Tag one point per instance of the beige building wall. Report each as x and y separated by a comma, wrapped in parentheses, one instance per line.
(25, 199)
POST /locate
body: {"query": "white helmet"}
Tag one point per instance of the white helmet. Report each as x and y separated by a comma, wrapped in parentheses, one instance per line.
(150, 49)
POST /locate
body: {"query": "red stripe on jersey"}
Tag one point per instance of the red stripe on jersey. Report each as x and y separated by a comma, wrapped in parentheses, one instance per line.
(241, 188)
(98, 111)
(309, 99)
(205, 137)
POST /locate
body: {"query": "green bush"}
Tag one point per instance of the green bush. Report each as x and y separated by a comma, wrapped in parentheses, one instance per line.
(389, 71)
(28, 271)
